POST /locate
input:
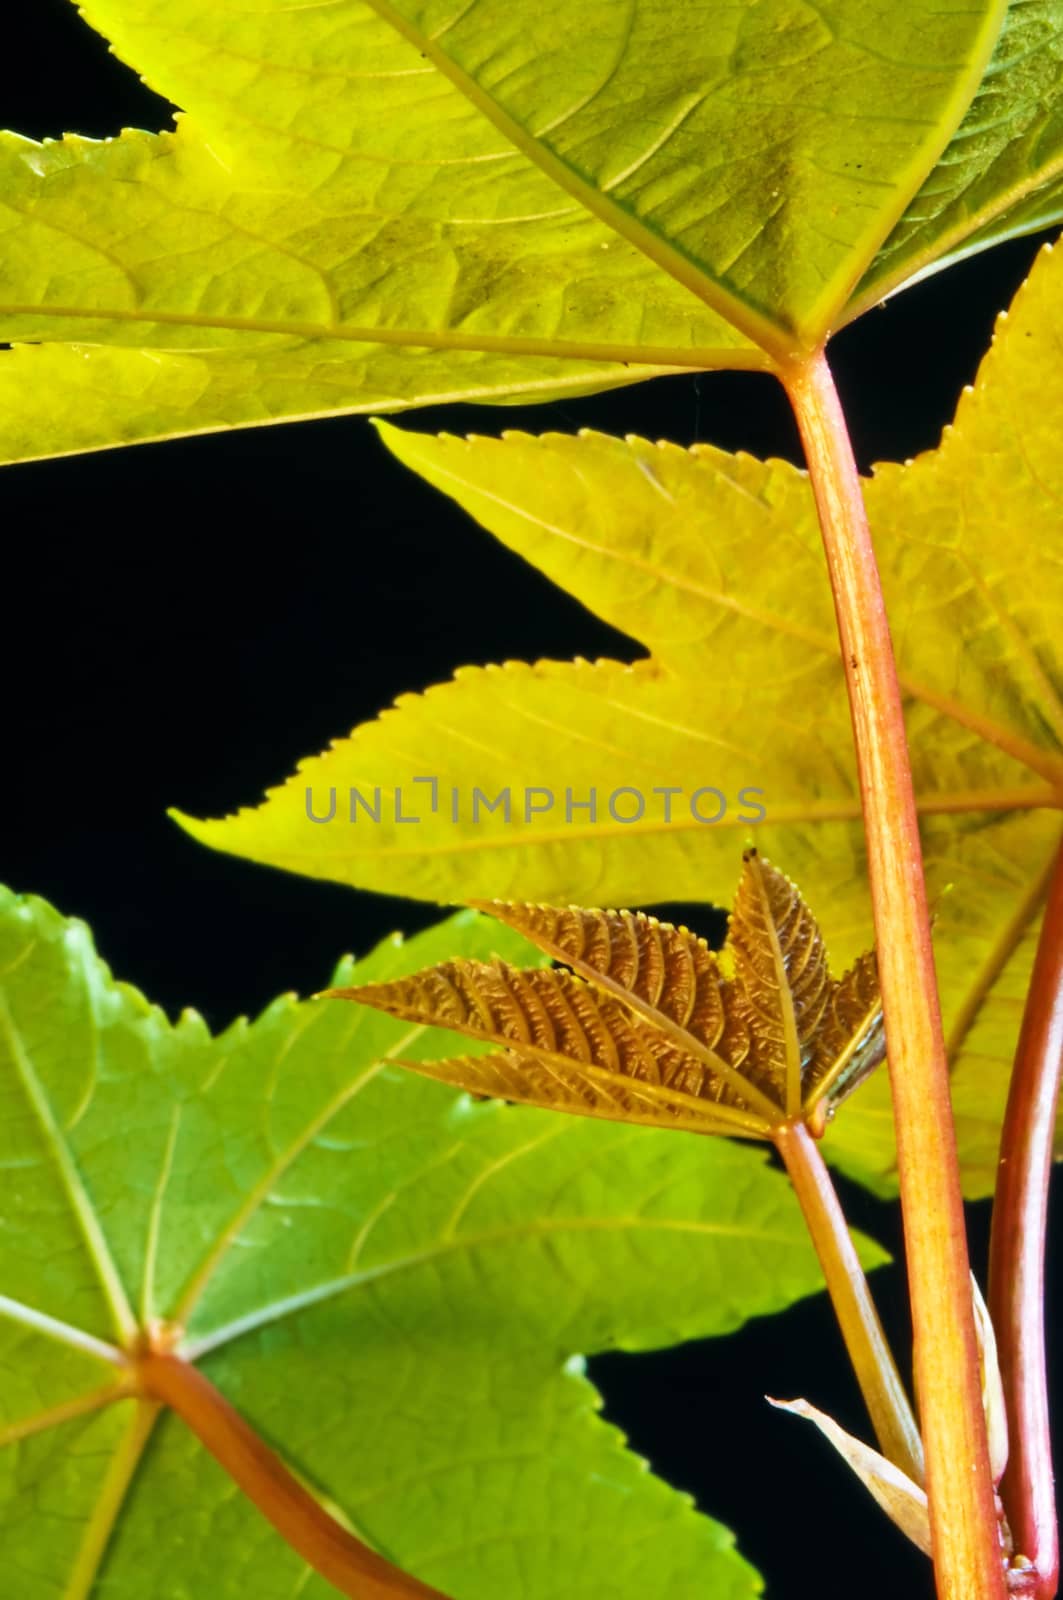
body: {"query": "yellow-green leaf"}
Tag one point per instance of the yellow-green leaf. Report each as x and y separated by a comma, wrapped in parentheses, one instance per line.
(1002, 174)
(714, 563)
(378, 203)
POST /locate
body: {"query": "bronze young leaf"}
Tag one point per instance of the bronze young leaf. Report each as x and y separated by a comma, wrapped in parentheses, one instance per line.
(644, 1023)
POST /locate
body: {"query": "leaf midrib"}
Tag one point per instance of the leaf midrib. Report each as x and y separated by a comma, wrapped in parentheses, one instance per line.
(643, 1009)
(668, 1104)
(775, 343)
(195, 1348)
(114, 1489)
(783, 345)
(71, 1180)
(1022, 750)
(664, 357)
(260, 1192)
(781, 991)
(763, 333)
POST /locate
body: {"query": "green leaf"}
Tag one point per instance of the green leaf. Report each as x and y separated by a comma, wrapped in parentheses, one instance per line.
(714, 563)
(1002, 174)
(391, 1282)
(383, 202)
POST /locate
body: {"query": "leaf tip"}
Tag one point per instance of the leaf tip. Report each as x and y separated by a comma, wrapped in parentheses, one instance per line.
(799, 1408)
(197, 828)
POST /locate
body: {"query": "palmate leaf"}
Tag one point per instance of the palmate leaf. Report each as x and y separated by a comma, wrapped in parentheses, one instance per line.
(714, 563)
(393, 1284)
(380, 203)
(651, 1026)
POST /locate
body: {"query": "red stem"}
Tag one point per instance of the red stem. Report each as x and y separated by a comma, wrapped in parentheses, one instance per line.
(348, 1564)
(1017, 1252)
(963, 1522)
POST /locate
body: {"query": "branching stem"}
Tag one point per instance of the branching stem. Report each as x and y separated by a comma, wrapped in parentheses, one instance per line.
(1017, 1253)
(348, 1564)
(963, 1521)
(876, 1371)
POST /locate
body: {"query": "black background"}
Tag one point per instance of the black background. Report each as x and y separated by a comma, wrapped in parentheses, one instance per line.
(182, 622)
